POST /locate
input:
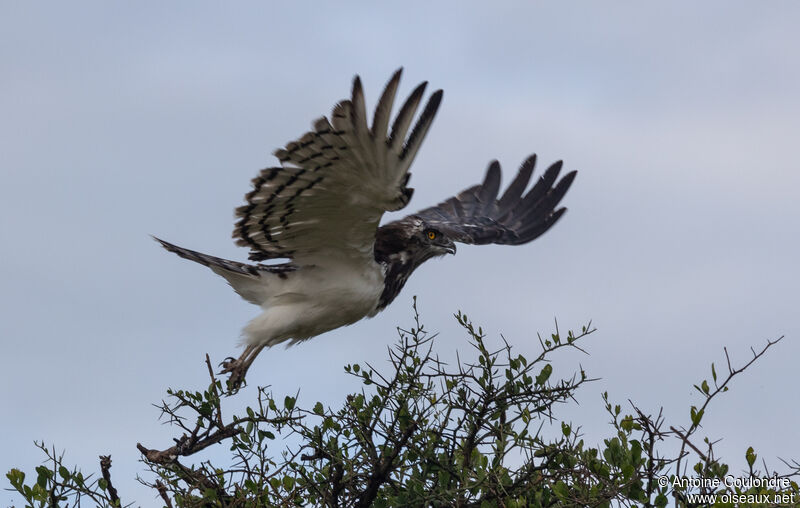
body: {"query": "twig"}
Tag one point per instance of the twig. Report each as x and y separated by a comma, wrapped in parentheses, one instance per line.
(162, 491)
(685, 439)
(105, 469)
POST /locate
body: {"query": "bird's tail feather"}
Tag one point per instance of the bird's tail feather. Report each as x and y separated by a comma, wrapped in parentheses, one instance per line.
(245, 279)
(212, 262)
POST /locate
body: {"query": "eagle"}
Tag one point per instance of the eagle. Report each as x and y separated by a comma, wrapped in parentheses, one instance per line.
(321, 259)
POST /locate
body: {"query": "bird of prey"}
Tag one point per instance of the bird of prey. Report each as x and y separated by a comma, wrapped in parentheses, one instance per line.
(315, 220)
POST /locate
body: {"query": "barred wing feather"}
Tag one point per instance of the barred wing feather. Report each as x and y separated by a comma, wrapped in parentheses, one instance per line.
(336, 181)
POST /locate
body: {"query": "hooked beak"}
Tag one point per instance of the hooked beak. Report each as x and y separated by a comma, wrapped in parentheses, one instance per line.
(450, 248)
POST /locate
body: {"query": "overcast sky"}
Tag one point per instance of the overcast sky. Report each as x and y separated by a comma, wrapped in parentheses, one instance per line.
(120, 120)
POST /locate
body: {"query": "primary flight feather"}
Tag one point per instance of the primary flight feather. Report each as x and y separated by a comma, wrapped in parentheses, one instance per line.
(321, 209)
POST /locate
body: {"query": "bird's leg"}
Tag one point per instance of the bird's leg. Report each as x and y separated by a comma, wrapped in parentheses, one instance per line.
(237, 368)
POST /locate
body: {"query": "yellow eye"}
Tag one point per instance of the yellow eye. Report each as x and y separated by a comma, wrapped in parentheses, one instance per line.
(431, 235)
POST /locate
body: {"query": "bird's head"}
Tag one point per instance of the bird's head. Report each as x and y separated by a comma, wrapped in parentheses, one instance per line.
(410, 242)
(435, 243)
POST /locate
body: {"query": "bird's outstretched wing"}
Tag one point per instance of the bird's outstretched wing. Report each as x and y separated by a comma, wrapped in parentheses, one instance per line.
(477, 216)
(336, 181)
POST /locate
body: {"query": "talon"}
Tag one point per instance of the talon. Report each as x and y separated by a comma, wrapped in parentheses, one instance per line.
(235, 381)
(227, 364)
(236, 368)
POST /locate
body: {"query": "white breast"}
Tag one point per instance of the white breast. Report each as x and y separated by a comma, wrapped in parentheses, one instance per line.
(316, 298)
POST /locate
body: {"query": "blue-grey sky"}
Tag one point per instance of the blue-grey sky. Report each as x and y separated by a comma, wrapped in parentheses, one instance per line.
(120, 120)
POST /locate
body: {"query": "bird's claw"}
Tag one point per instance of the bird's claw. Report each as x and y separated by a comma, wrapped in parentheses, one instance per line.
(226, 364)
(236, 370)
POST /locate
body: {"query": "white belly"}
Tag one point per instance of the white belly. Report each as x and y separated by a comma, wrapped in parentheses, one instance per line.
(314, 300)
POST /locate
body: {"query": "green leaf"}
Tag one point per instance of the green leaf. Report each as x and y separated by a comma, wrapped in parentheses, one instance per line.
(288, 403)
(627, 471)
(627, 423)
(750, 456)
(544, 374)
(16, 477)
(560, 490)
(318, 409)
(696, 415)
(44, 475)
